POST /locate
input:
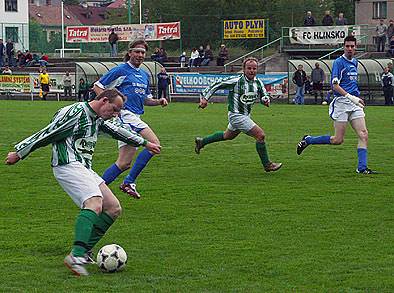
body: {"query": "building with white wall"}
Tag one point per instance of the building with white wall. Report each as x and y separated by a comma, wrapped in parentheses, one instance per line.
(14, 22)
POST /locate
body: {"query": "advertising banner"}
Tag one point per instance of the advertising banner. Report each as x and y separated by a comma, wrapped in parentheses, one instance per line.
(244, 29)
(194, 83)
(321, 34)
(55, 82)
(15, 83)
(125, 32)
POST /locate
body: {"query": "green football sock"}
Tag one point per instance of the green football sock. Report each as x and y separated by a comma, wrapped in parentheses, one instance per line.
(83, 230)
(104, 221)
(261, 149)
(217, 136)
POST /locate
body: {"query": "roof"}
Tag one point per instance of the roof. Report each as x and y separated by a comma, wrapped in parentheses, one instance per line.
(89, 15)
(50, 15)
(118, 4)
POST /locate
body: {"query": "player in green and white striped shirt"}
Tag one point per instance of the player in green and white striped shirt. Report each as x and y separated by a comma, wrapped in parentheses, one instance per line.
(73, 135)
(244, 91)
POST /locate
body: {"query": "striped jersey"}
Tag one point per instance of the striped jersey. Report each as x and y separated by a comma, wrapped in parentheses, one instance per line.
(73, 134)
(243, 93)
(132, 82)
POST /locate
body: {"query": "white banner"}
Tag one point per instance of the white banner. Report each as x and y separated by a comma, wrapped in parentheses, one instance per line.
(321, 34)
(125, 32)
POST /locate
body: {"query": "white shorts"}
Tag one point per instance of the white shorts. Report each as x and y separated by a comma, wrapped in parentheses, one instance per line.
(131, 121)
(79, 182)
(240, 122)
(343, 110)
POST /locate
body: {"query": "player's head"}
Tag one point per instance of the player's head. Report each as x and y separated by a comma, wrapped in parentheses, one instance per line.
(108, 103)
(137, 52)
(349, 46)
(250, 65)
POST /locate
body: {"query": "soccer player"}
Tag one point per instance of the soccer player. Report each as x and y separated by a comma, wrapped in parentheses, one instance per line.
(346, 107)
(133, 82)
(244, 91)
(73, 134)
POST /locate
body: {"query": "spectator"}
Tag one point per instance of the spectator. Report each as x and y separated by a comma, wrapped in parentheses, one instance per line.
(381, 30)
(28, 57)
(208, 56)
(390, 66)
(308, 85)
(193, 56)
(7, 70)
(44, 83)
(390, 30)
(309, 20)
(327, 19)
(299, 78)
(391, 49)
(2, 53)
(341, 20)
(317, 77)
(200, 56)
(162, 84)
(67, 84)
(83, 89)
(113, 39)
(44, 60)
(387, 84)
(20, 58)
(162, 56)
(35, 60)
(223, 55)
(182, 59)
(9, 48)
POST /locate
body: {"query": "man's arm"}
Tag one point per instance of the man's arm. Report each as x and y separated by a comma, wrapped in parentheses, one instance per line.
(156, 102)
(60, 127)
(120, 133)
(208, 92)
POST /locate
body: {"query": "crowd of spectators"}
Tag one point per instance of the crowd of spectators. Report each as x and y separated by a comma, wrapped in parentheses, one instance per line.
(309, 19)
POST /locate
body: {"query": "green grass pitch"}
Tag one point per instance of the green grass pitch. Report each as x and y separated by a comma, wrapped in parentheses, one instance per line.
(214, 222)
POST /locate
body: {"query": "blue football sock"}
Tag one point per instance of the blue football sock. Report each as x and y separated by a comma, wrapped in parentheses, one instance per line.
(140, 163)
(362, 159)
(111, 174)
(324, 139)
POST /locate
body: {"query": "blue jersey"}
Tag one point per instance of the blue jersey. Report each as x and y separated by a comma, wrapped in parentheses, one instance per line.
(344, 72)
(130, 81)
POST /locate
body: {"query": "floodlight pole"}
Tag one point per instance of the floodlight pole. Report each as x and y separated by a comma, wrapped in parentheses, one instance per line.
(129, 10)
(140, 11)
(62, 51)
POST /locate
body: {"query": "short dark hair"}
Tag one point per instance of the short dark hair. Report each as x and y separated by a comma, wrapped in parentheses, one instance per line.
(111, 94)
(350, 39)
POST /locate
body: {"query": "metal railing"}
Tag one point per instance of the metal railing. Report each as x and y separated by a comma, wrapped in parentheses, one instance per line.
(250, 53)
(337, 49)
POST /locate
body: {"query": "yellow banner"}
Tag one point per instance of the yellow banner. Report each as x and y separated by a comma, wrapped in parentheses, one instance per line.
(19, 83)
(244, 29)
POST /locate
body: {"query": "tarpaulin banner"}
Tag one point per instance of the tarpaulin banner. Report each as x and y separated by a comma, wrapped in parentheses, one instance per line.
(125, 32)
(17, 83)
(195, 83)
(244, 29)
(321, 34)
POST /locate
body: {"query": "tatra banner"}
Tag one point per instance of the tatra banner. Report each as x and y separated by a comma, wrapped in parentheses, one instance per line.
(321, 34)
(125, 32)
(244, 29)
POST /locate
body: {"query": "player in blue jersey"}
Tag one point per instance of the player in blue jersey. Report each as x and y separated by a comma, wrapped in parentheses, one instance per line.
(346, 107)
(133, 82)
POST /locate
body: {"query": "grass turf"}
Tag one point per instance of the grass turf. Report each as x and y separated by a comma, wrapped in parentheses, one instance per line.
(214, 222)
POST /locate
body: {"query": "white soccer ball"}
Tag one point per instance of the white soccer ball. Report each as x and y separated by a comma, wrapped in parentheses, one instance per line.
(324, 103)
(111, 258)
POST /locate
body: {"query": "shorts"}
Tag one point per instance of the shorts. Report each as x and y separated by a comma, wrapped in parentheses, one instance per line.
(79, 182)
(131, 121)
(341, 110)
(240, 122)
(45, 87)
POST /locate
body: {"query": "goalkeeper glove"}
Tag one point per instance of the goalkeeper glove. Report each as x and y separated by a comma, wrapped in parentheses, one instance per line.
(357, 101)
(265, 100)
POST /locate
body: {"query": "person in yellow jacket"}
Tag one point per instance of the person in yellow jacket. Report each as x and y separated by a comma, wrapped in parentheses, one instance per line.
(44, 83)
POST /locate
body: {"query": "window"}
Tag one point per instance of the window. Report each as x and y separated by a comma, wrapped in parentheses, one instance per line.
(379, 9)
(12, 33)
(11, 5)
